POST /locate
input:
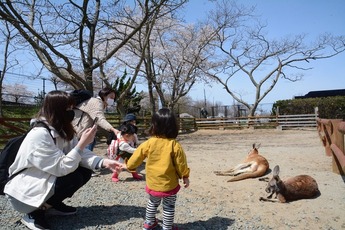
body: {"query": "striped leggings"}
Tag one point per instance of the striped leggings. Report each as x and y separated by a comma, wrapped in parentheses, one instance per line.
(168, 210)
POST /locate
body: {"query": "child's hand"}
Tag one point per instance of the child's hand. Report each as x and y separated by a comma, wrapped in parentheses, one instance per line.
(118, 169)
(186, 182)
(123, 167)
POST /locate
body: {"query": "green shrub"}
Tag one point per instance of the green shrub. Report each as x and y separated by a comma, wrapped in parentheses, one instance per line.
(328, 107)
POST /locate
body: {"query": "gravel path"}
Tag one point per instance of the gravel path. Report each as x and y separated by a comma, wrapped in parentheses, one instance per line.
(210, 202)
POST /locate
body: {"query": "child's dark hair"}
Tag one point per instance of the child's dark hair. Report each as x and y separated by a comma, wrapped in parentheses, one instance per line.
(164, 124)
(127, 129)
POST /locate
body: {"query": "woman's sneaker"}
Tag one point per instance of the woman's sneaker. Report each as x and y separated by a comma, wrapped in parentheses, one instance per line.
(61, 210)
(35, 220)
(150, 225)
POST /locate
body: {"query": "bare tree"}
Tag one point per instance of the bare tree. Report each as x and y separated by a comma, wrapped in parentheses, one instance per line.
(176, 60)
(172, 58)
(56, 81)
(247, 52)
(67, 36)
(9, 60)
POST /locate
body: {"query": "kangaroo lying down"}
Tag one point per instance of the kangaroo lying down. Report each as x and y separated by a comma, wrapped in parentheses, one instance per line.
(254, 165)
(293, 188)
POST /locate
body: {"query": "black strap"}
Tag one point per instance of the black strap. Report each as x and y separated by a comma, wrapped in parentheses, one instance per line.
(43, 124)
(81, 117)
(13, 175)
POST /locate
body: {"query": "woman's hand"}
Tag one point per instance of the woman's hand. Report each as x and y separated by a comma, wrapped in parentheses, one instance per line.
(113, 165)
(115, 131)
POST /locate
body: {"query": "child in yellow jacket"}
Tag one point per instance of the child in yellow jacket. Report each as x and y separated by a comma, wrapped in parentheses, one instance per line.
(166, 164)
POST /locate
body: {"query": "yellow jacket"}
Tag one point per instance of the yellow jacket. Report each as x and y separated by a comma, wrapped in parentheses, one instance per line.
(166, 163)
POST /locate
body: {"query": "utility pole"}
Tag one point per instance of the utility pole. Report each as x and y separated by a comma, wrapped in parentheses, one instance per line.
(44, 87)
(204, 98)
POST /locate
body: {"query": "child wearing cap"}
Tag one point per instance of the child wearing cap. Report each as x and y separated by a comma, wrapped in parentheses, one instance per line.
(122, 149)
(130, 118)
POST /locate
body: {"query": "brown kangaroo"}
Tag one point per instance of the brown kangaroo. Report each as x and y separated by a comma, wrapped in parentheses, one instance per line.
(254, 165)
(293, 188)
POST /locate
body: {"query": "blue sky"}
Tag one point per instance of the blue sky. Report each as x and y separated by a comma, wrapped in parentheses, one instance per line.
(284, 17)
(288, 17)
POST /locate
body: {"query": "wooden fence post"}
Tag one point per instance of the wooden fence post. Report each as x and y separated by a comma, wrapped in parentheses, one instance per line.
(325, 130)
(331, 132)
(338, 162)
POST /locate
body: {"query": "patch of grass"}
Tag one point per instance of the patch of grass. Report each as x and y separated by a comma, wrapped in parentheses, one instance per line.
(19, 111)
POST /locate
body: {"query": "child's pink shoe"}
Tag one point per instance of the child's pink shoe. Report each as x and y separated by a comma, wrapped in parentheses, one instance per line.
(150, 225)
(115, 177)
(137, 176)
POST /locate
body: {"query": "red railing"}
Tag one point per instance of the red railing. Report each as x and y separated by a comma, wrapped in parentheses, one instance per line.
(331, 132)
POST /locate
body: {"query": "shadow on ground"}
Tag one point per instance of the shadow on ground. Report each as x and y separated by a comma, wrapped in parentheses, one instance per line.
(94, 216)
(214, 223)
(97, 216)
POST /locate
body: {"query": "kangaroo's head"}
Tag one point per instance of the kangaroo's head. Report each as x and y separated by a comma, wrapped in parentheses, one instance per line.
(254, 151)
(275, 185)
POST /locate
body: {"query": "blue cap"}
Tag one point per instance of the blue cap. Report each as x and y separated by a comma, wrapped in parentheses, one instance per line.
(129, 117)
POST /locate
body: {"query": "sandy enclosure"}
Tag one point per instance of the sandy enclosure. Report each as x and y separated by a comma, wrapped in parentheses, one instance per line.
(295, 151)
(211, 202)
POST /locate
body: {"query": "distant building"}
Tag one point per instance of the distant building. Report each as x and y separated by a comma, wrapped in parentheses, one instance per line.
(323, 93)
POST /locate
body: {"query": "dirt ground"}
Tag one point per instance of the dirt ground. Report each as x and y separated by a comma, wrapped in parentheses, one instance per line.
(210, 202)
(295, 151)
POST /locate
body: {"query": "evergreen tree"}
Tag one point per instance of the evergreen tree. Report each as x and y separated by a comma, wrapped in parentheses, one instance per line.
(130, 102)
(39, 98)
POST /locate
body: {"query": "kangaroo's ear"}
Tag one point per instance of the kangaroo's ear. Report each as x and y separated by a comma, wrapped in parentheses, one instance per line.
(276, 170)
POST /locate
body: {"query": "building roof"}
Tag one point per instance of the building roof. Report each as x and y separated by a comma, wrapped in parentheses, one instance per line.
(323, 93)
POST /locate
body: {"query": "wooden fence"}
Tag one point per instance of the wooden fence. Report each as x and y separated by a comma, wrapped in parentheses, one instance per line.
(331, 132)
(297, 121)
(259, 122)
(11, 127)
(236, 122)
(143, 123)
